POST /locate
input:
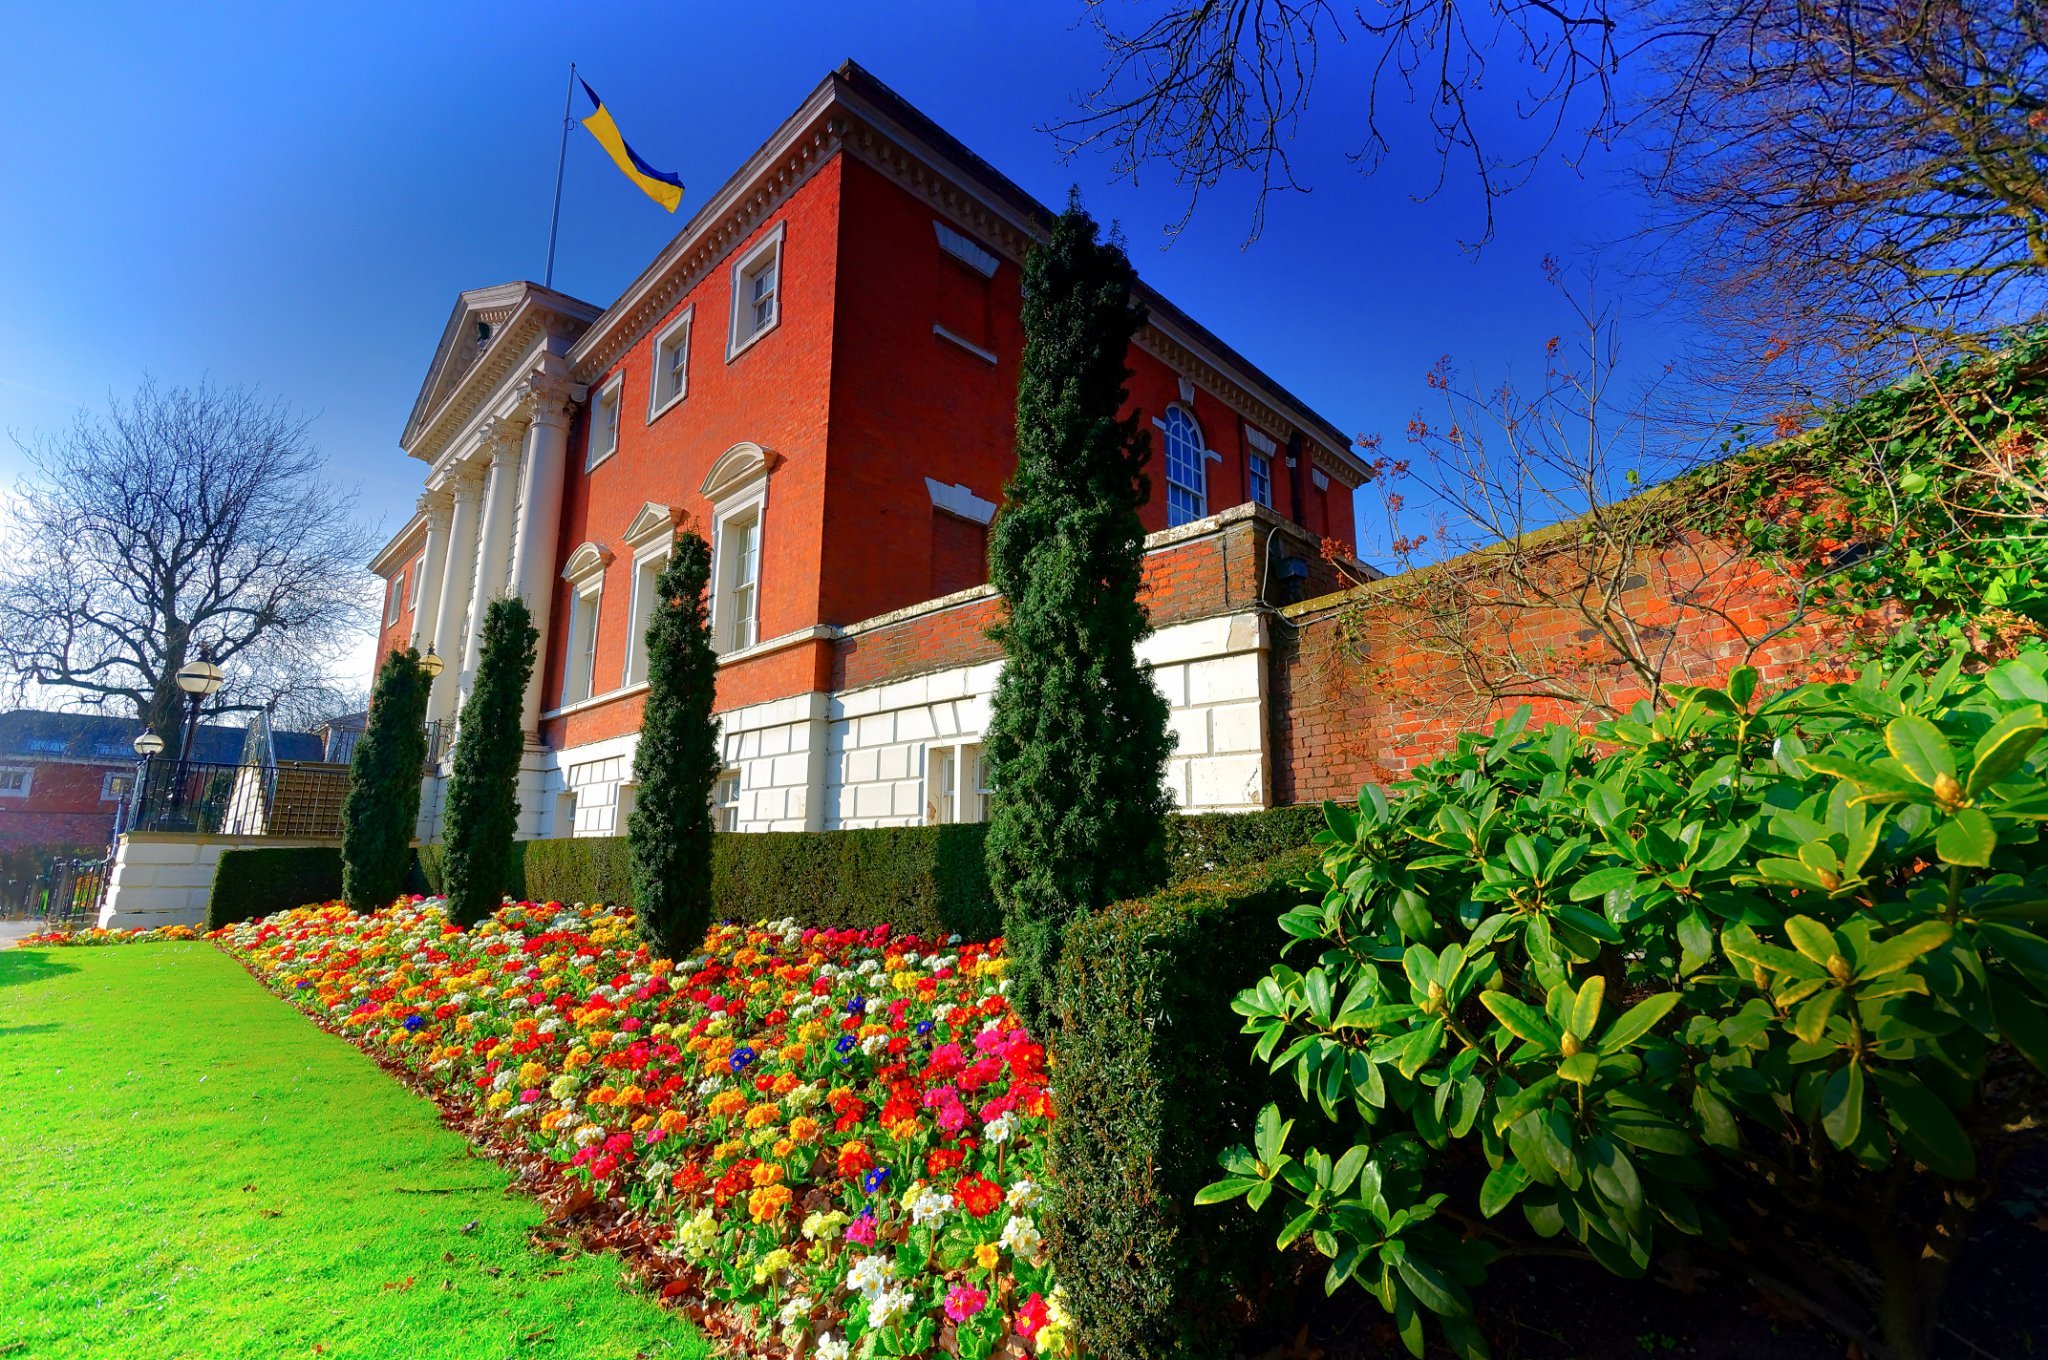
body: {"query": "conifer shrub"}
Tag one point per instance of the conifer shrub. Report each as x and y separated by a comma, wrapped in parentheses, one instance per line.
(1077, 736)
(677, 760)
(264, 879)
(383, 805)
(483, 786)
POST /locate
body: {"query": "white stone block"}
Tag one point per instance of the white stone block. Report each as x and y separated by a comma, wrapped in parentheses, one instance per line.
(863, 767)
(1216, 782)
(950, 684)
(1237, 727)
(974, 715)
(1223, 680)
(785, 771)
(774, 741)
(877, 729)
(893, 762)
(1173, 683)
(1190, 728)
(915, 724)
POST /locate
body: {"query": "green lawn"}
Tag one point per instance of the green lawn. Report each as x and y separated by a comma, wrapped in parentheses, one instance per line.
(190, 1168)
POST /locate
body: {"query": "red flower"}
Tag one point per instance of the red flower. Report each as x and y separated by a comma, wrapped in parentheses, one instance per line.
(978, 1195)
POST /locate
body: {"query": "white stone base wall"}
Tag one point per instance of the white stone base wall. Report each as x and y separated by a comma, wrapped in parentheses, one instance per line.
(164, 878)
(866, 757)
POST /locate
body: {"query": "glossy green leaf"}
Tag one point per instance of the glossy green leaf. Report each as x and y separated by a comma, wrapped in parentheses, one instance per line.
(1917, 745)
(1926, 1127)
(1637, 1021)
(1841, 1105)
(2001, 751)
(1521, 1019)
(1967, 838)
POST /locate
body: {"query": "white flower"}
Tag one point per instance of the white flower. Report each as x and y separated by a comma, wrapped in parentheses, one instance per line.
(594, 1133)
(1002, 1128)
(708, 1085)
(831, 1348)
(1024, 1193)
(870, 1274)
(928, 1205)
(1022, 1238)
(697, 1236)
(796, 1310)
(887, 1306)
(874, 1044)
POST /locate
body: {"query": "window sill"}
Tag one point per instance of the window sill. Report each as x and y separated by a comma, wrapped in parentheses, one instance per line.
(659, 411)
(734, 351)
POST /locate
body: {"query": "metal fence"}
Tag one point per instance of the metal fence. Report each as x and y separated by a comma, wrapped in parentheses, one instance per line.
(288, 798)
(71, 892)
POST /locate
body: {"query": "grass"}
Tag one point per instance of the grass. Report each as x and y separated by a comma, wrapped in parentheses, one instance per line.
(190, 1168)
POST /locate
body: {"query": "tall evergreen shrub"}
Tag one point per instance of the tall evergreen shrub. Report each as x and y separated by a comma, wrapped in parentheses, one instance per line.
(483, 788)
(1078, 735)
(677, 760)
(383, 806)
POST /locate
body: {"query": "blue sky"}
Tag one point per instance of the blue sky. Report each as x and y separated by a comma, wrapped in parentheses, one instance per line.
(291, 196)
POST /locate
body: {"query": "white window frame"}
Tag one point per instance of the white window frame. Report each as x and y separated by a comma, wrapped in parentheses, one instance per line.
(674, 338)
(611, 396)
(1200, 491)
(418, 569)
(956, 777)
(765, 252)
(731, 632)
(725, 812)
(110, 794)
(394, 595)
(585, 574)
(648, 565)
(1260, 451)
(28, 780)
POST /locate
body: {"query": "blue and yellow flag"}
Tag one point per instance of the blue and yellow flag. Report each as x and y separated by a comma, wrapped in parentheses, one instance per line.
(663, 188)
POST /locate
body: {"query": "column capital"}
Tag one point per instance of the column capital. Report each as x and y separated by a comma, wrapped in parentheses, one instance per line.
(549, 399)
(500, 440)
(437, 504)
(465, 481)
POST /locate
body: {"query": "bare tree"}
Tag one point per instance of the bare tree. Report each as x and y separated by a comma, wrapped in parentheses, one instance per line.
(1851, 178)
(1551, 567)
(185, 517)
(1862, 182)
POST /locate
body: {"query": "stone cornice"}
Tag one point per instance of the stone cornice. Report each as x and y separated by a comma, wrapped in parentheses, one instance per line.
(529, 329)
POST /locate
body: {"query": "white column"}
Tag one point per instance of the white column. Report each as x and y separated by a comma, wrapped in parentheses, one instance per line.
(494, 542)
(540, 516)
(466, 486)
(433, 568)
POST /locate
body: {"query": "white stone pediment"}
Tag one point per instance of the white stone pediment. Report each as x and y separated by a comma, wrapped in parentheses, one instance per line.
(587, 561)
(742, 463)
(656, 523)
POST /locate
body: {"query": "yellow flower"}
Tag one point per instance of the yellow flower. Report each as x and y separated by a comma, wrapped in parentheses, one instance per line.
(988, 1255)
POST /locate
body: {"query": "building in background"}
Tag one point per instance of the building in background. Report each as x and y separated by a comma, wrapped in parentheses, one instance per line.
(64, 776)
(819, 374)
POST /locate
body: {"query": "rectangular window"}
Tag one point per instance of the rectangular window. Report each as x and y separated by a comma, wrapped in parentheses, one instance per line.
(756, 293)
(579, 667)
(1258, 466)
(392, 595)
(958, 781)
(739, 596)
(417, 572)
(725, 801)
(15, 781)
(604, 423)
(645, 574)
(114, 787)
(671, 365)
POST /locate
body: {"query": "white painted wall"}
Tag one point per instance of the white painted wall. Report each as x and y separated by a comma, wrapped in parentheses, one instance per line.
(862, 758)
(164, 878)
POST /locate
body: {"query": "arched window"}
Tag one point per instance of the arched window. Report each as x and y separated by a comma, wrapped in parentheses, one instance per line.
(1186, 476)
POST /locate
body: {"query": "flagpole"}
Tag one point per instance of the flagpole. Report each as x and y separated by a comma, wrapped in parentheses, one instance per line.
(561, 158)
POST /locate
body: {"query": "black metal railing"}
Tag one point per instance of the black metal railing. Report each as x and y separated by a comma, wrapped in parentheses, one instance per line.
(69, 895)
(283, 799)
(440, 736)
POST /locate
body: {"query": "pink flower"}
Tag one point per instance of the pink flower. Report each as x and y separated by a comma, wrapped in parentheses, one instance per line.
(964, 1301)
(1031, 1316)
(861, 1231)
(528, 1096)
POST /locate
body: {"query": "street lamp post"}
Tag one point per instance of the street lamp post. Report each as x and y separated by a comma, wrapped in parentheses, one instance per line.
(198, 678)
(148, 747)
(431, 666)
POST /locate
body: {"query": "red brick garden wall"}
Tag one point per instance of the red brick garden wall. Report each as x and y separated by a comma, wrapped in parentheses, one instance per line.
(1360, 697)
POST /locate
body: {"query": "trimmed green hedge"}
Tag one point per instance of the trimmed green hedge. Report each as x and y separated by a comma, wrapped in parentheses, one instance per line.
(252, 883)
(927, 879)
(1156, 1079)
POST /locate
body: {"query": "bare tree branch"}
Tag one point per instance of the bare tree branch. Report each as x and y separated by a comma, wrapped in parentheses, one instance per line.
(184, 516)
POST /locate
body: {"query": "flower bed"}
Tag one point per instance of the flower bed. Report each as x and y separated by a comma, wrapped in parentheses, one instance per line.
(96, 936)
(838, 1134)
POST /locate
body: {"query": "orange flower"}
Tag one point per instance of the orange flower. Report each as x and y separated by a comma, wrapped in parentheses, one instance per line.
(803, 1128)
(766, 1173)
(768, 1203)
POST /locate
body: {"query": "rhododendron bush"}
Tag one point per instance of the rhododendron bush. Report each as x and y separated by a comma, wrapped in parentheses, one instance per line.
(841, 1133)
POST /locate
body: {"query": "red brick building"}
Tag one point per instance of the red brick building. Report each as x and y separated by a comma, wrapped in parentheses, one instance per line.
(819, 373)
(63, 776)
